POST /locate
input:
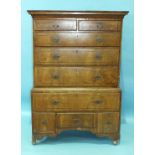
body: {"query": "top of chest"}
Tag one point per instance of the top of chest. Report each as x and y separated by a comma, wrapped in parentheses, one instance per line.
(78, 20)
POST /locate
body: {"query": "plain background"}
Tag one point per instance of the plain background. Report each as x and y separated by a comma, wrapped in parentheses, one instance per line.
(127, 56)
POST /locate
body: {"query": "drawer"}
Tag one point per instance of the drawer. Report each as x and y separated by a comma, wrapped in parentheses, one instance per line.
(76, 76)
(74, 101)
(76, 120)
(77, 39)
(109, 122)
(77, 56)
(94, 25)
(43, 122)
(54, 24)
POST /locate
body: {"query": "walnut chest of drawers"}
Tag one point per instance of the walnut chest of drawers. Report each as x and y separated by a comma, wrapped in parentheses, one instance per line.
(76, 72)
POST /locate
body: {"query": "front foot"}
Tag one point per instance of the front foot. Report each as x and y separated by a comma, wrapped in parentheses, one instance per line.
(34, 140)
(115, 142)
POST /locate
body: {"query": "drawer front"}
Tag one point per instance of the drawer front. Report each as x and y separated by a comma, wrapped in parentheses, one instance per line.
(54, 24)
(77, 39)
(73, 101)
(43, 122)
(109, 122)
(75, 121)
(76, 76)
(77, 56)
(99, 25)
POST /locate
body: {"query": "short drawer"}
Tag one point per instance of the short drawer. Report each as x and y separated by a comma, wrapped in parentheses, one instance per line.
(76, 76)
(76, 101)
(77, 39)
(94, 25)
(76, 56)
(54, 24)
(43, 122)
(109, 122)
(76, 120)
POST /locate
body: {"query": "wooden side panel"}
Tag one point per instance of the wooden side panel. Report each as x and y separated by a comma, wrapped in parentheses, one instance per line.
(76, 76)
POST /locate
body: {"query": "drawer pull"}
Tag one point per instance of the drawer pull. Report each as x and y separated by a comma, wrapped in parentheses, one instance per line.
(55, 102)
(44, 122)
(56, 56)
(99, 40)
(55, 26)
(98, 56)
(99, 26)
(76, 121)
(55, 76)
(98, 102)
(98, 77)
(108, 123)
(56, 39)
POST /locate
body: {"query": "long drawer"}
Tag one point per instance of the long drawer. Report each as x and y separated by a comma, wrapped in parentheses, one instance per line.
(46, 38)
(76, 56)
(76, 76)
(76, 101)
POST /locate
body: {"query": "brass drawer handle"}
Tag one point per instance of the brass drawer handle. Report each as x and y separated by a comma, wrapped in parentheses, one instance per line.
(108, 123)
(55, 102)
(56, 56)
(55, 26)
(98, 77)
(56, 39)
(99, 26)
(99, 40)
(76, 121)
(98, 56)
(44, 122)
(55, 76)
(98, 101)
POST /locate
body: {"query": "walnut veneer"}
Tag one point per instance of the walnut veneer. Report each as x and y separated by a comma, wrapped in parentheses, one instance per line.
(76, 72)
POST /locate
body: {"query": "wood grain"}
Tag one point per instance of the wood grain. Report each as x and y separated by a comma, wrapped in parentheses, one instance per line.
(76, 76)
(83, 39)
(76, 57)
(79, 56)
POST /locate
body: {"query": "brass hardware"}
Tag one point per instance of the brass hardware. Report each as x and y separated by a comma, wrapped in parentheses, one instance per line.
(44, 122)
(55, 76)
(99, 26)
(108, 123)
(55, 102)
(98, 55)
(56, 56)
(55, 26)
(56, 39)
(98, 77)
(99, 40)
(76, 121)
(98, 101)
